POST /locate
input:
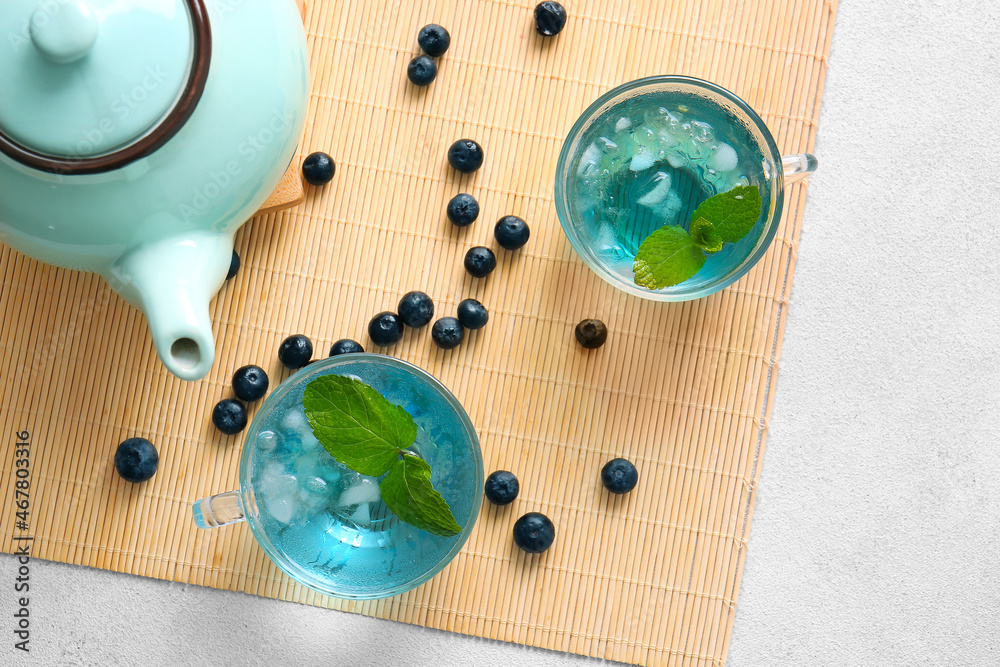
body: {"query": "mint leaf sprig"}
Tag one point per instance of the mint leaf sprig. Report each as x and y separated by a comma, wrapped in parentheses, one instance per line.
(369, 435)
(671, 255)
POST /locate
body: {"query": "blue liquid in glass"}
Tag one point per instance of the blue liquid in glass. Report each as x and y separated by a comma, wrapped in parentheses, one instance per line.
(649, 161)
(330, 521)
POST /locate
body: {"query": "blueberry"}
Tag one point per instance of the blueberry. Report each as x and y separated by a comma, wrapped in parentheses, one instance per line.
(480, 261)
(447, 333)
(234, 265)
(295, 351)
(550, 18)
(511, 232)
(422, 70)
(318, 169)
(465, 155)
(136, 460)
(472, 314)
(463, 209)
(591, 334)
(385, 329)
(501, 487)
(250, 383)
(619, 476)
(345, 346)
(229, 416)
(534, 532)
(416, 309)
(434, 40)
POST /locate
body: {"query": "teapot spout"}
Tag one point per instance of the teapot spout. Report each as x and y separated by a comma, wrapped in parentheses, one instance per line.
(172, 281)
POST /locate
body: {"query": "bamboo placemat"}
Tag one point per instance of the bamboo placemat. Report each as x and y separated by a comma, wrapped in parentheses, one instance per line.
(683, 390)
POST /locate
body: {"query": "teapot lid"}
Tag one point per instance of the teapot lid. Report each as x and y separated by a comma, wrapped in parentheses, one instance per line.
(89, 86)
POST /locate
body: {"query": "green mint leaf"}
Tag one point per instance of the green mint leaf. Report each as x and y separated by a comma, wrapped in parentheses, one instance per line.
(356, 424)
(732, 213)
(703, 233)
(666, 257)
(408, 492)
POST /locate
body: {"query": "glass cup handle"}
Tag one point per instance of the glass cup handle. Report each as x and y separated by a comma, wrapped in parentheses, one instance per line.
(220, 510)
(798, 166)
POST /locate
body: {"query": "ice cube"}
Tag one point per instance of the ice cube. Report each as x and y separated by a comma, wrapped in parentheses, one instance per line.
(725, 158)
(312, 485)
(702, 132)
(272, 470)
(659, 191)
(316, 485)
(611, 153)
(666, 125)
(605, 235)
(665, 139)
(588, 161)
(590, 216)
(310, 442)
(295, 422)
(309, 464)
(605, 241)
(671, 123)
(267, 441)
(362, 515)
(623, 124)
(312, 502)
(314, 494)
(618, 218)
(606, 245)
(676, 160)
(281, 507)
(671, 207)
(606, 146)
(328, 468)
(281, 484)
(364, 492)
(269, 476)
(645, 138)
(702, 145)
(642, 161)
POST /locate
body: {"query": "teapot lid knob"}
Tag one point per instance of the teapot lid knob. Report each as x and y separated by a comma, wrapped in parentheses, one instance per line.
(64, 32)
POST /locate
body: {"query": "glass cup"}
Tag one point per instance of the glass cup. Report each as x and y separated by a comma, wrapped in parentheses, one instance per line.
(325, 525)
(699, 138)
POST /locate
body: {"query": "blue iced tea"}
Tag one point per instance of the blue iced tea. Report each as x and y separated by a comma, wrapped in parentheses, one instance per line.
(650, 160)
(328, 523)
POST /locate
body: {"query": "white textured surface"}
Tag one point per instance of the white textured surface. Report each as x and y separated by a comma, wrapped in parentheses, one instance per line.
(877, 525)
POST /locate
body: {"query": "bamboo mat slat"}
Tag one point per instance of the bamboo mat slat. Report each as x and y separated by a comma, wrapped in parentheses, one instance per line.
(683, 390)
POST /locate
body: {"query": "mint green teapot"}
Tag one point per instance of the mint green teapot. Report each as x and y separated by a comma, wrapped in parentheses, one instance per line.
(137, 136)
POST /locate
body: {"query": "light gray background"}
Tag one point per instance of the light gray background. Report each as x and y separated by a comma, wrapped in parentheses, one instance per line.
(877, 528)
